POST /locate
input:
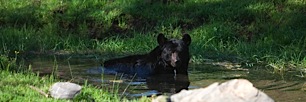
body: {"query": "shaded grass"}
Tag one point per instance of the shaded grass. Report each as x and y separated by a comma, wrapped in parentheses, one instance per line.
(249, 31)
(28, 39)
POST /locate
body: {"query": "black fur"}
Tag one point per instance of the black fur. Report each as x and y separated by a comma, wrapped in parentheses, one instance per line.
(169, 57)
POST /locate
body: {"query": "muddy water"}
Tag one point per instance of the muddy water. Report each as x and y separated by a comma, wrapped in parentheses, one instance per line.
(282, 88)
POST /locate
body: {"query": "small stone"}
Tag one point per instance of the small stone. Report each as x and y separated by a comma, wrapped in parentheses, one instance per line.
(64, 90)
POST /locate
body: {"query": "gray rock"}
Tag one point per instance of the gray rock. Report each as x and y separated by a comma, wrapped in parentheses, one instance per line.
(64, 90)
(237, 90)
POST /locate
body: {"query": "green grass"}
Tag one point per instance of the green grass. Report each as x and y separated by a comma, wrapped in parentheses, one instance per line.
(269, 30)
(15, 85)
(248, 31)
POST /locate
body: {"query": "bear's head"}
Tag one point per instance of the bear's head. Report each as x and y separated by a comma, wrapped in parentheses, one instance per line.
(174, 52)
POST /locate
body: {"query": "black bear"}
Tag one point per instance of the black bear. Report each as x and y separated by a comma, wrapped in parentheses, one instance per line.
(171, 56)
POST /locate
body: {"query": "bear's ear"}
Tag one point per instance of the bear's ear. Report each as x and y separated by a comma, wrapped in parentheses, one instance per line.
(187, 39)
(161, 39)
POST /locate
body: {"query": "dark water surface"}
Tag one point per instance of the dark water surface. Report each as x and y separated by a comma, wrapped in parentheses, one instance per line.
(282, 88)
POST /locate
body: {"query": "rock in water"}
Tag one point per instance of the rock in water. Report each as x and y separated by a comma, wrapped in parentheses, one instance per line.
(64, 90)
(236, 90)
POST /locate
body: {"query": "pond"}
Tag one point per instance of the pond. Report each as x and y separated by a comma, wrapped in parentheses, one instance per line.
(287, 88)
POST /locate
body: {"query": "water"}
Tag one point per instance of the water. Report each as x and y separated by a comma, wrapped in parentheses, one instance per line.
(282, 88)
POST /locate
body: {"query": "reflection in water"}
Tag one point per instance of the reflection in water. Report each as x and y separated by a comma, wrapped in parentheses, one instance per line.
(281, 88)
(164, 83)
(168, 83)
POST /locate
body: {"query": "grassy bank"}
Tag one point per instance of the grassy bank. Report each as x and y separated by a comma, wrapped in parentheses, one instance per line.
(253, 31)
(16, 87)
(248, 31)
(19, 84)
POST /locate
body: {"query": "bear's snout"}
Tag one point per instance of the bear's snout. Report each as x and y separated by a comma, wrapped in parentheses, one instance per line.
(174, 59)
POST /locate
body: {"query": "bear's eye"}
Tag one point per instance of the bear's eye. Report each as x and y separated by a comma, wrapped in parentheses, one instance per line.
(166, 54)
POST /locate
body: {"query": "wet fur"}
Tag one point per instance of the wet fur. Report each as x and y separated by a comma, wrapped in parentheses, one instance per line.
(169, 57)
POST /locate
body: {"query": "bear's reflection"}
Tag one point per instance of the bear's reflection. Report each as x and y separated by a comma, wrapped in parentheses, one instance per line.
(168, 83)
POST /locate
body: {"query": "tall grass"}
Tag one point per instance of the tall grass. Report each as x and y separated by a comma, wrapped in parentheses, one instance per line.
(17, 85)
(248, 31)
(252, 31)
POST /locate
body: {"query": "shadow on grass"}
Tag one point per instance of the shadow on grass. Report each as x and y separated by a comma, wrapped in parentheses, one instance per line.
(271, 26)
(250, 19)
